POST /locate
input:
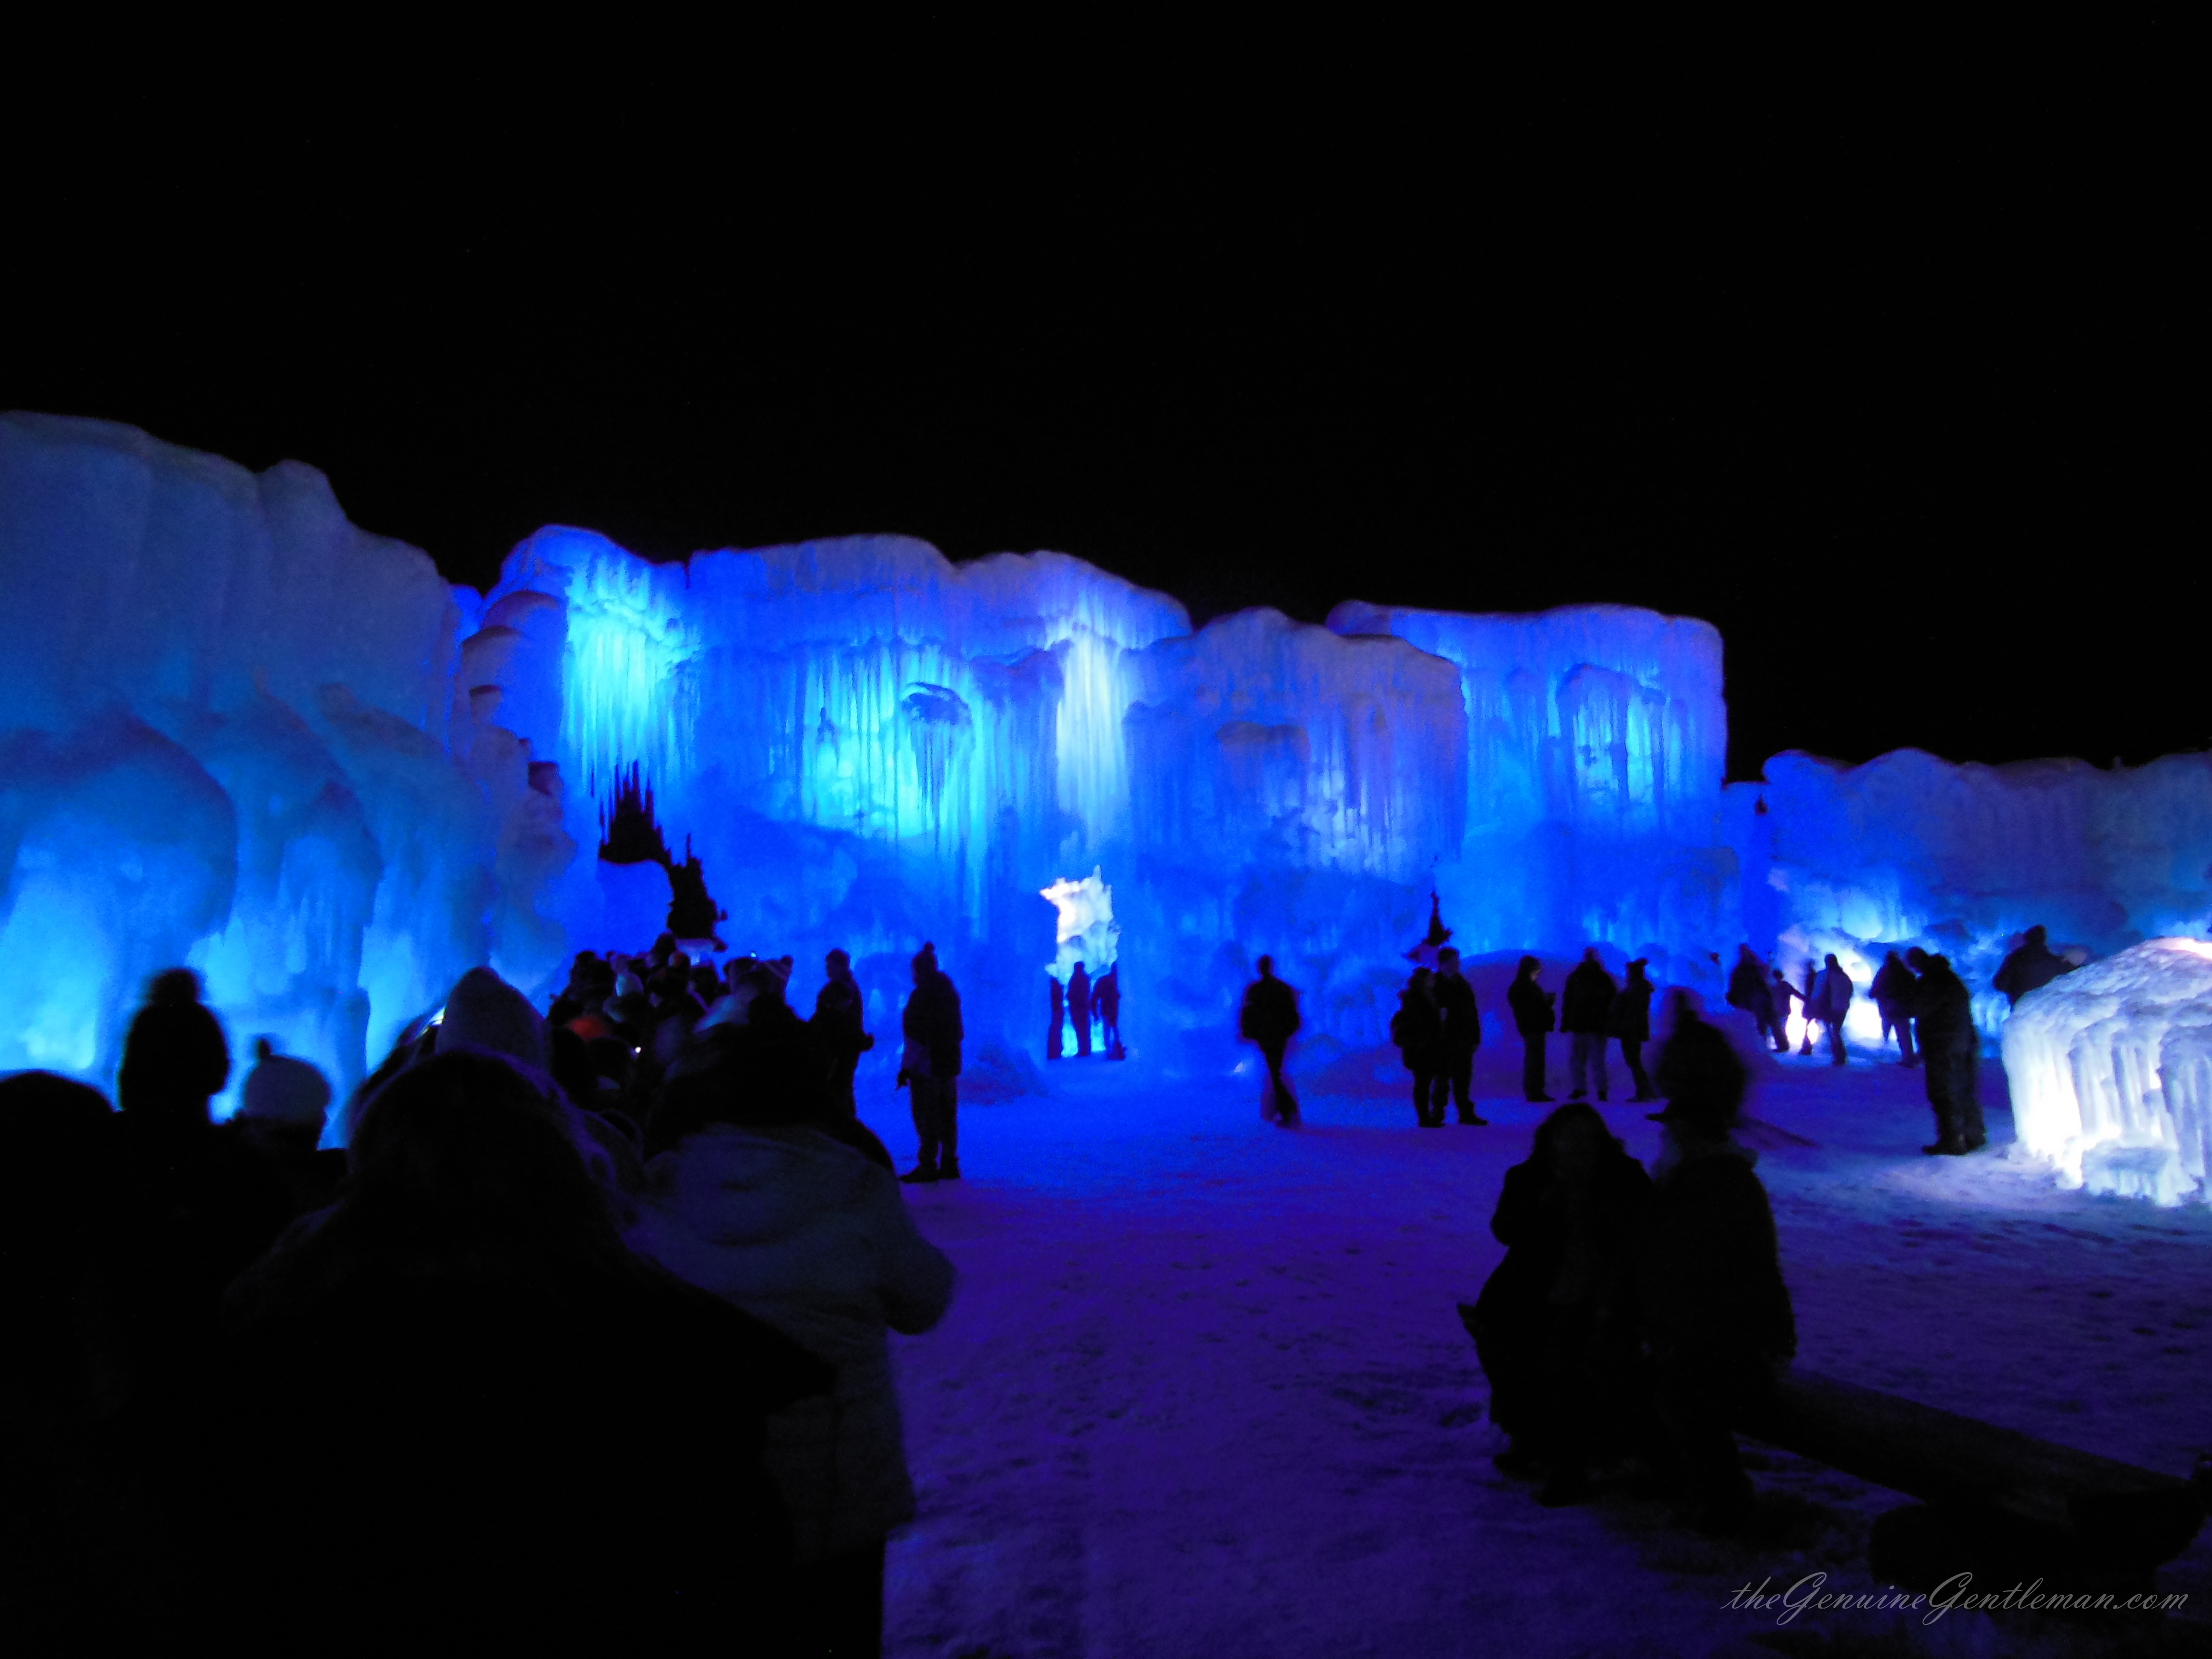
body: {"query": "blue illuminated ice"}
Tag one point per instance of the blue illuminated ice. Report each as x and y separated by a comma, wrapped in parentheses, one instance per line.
(2111, 1071)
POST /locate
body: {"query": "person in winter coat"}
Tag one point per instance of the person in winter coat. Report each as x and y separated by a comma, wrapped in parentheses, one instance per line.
(1106, 997)
(1417, 1029)
(1079, 1008)
(1631, 1022)
(1585, 1014)
(931, 1069)
(840, 1027)
(1832, 996)
(1462, 1036)
(1555, 1326)
(414, 1367)
(1716, 1310)
(1811, 1005)
(1270, 1018)
(1056, 1043)
(2030, 967)
(1894, 991)
(1780, 995)
(1746, 987)
(758, 1207)
(1532, 1017)
(1949, 1049)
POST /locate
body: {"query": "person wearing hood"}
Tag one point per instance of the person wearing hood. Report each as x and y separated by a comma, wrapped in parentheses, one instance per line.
(1715, 1309)
(1554, 1326)
(760, 1207)
(2030, 967)
(1895, 991)
(287, 1101)
(1949, 1048)
(1747, 988)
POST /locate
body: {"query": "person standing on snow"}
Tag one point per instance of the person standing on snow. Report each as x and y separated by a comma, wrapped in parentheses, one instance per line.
(1832, 996)
(1780, 995)
(1054, 1043)
(840, 1029)
(1270, 1018)
(1532, 1017)
(1631, 1022)
(1106, 997)
(1462, 1036)
(1585, 1016)
(1949, 1048)
(1079, 1009)
(1893, 990)
(1417, 1029)
(931, 1070)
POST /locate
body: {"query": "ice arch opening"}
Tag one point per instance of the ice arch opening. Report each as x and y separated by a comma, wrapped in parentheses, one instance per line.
(1087, 931)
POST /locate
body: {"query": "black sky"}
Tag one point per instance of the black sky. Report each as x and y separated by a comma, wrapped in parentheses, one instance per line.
(1893, 383)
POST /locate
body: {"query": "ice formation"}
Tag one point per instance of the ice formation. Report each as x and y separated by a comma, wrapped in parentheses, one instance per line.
(248, 736)
(2111, 1070)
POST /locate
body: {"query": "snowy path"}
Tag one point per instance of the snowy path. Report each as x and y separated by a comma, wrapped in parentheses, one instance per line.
(1203, 1391)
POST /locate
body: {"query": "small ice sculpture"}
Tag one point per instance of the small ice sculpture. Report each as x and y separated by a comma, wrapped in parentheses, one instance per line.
(2111, 1070)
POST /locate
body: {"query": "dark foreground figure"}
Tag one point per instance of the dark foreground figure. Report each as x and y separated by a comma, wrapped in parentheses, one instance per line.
(1634, 1314)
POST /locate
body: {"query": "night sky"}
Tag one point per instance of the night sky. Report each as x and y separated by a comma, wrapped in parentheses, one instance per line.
(1892, 383)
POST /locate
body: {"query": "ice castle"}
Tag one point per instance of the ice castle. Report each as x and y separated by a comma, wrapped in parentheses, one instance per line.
(246, 735)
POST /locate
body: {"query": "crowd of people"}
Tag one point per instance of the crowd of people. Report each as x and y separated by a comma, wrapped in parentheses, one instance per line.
(585, 1326)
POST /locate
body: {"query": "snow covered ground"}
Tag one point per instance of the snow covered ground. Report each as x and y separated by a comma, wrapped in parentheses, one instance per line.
(1203, 1390)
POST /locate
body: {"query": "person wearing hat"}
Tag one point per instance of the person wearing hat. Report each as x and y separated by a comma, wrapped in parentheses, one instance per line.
(281, 1119)
(1715, 1307)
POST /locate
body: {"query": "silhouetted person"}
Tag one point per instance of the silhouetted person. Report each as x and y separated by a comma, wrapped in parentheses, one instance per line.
(1532, 1017)
(1746, 985)
(1270, 1018)
(931, 1069)
(1417, 1029)
(840, 1027)
(1716, 1311)
(756, 1206)
(193, 1206)
(1106, 997)
(1585, 1012)
(1462, 1036)
(1631, 1022)
(1780, 995)
(1949, 1048)
(174, 1060)
(411, 1370)
(1055, 1040)
(2030, 967)
(1832, 996)
(1555, 1326)
(1811, 1006)
(1894, 991)
(1079, 1008)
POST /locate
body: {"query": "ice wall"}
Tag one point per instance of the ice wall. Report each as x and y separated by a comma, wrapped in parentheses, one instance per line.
(2111, 1071)
(233, 740)
(1596, 744)
(1961, 858)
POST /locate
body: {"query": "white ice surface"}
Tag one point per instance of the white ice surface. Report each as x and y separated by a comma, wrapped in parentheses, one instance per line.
(1202, 1391)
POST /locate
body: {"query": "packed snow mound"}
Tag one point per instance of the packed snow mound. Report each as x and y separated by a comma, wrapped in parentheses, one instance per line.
(2111, 1071)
